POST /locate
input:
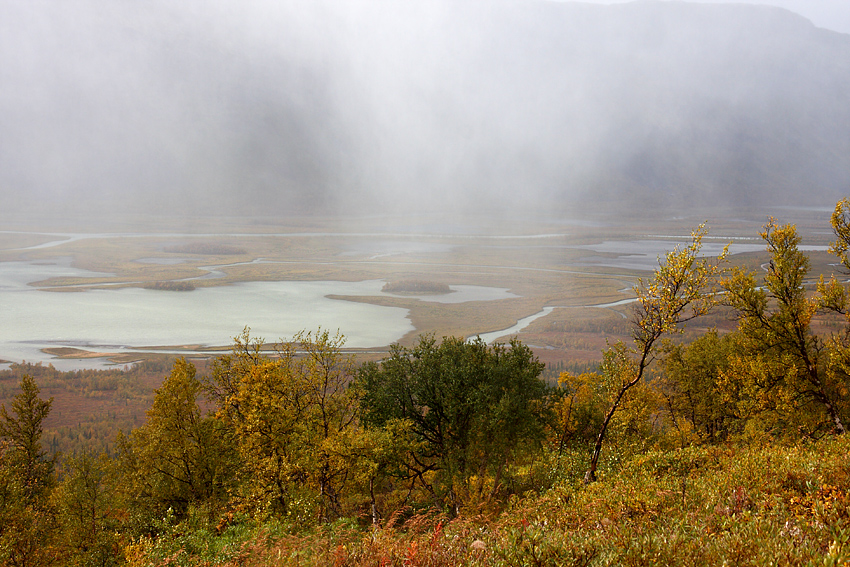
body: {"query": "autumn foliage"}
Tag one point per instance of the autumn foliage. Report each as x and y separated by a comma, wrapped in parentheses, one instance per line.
(725, 448)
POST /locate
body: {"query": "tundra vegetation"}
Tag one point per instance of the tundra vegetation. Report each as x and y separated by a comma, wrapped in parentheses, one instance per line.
(170, 286)
(720, 447)
(416, 286)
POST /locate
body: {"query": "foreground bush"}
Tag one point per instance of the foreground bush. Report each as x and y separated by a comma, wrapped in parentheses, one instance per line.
(738, 504)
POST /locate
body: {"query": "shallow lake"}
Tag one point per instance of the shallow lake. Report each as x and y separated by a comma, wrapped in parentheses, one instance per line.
(113, 320)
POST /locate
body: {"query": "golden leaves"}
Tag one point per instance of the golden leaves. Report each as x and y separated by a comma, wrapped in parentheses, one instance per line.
(683, 287)
(840, 221)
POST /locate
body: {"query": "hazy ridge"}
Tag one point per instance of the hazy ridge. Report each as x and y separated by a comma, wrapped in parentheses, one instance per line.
(305, 107)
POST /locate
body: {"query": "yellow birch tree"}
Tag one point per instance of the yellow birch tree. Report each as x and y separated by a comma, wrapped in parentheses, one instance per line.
(681, 289)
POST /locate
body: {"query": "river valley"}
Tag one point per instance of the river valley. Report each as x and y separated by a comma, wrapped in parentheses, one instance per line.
(91, 291)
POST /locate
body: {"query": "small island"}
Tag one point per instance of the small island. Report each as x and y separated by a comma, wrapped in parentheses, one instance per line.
(170, 286)
(416, 287)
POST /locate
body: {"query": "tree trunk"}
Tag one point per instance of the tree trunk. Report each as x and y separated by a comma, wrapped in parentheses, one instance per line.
(824, 398)
(590, 475)
(372, 501)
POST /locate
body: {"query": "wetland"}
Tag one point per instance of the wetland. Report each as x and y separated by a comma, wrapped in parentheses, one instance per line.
(86, 299)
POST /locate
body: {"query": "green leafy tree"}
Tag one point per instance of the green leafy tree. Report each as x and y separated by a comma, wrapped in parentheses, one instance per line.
(87, 513)
(179, 457)
(27, 518)
(23, 431)
(375, 456)
(473, 408)
(785, 368)
(680, 290)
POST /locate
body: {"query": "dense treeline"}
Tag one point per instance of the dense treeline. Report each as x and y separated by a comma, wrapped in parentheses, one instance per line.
(455, 452)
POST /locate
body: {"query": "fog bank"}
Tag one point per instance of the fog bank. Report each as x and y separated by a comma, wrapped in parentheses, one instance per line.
(338, 107)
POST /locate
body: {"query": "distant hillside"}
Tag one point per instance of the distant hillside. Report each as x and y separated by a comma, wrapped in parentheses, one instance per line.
(311, 106)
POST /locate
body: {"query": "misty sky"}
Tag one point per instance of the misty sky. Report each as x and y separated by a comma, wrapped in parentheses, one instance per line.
(829, 14)
(281, 107)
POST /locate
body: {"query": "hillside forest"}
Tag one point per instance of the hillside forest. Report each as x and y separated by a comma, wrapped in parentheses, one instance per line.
(717, 447)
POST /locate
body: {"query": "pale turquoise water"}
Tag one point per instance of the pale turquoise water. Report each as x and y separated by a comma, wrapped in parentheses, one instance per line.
(120, 319)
